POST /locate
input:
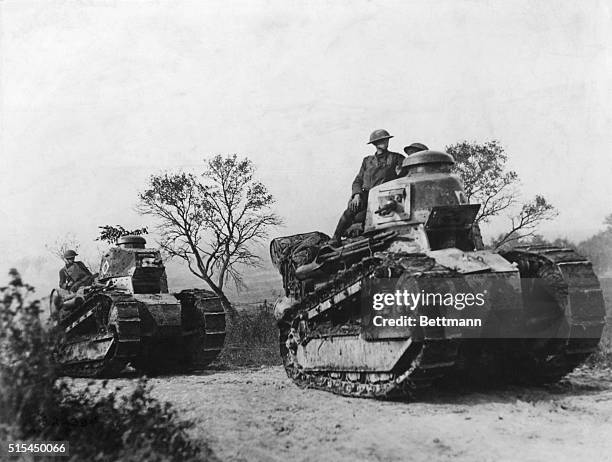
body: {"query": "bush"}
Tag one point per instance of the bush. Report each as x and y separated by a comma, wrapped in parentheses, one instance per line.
(252, 339)
(104, 424)
(98, 423)
(601, 359)
(27, 373)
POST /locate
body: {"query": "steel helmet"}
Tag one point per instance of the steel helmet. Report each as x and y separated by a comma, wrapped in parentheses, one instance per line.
(378, 135)
(415, 147)
(70, 253)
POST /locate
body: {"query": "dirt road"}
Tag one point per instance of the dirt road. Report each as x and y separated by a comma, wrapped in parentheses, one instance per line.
(259, 415)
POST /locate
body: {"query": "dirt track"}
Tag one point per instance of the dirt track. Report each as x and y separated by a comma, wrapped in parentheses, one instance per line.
(259, 415)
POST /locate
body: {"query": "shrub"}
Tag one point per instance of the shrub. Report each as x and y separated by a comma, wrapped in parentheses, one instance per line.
(99, 423)
(27, 373)
(601, 359)
(252, 339)
(104, 423)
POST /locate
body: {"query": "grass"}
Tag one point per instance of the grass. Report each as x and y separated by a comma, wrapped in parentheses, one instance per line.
(252, 339)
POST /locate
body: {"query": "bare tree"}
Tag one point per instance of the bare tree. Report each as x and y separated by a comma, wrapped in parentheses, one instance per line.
(524, 225)
(211, 220)
(488, 182)
(61, 244)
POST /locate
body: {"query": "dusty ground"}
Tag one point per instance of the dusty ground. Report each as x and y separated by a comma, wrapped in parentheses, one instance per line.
(259, 415)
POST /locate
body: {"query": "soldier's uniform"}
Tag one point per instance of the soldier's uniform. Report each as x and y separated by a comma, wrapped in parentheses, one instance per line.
(375, 169)
(75, 274)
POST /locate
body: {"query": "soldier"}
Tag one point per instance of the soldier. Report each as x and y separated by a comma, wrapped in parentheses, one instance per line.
(414, 148)
(75, 274)
(409, 150)
(378, 168)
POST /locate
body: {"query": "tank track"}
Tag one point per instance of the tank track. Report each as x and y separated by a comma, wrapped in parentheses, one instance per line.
(569, 275)
(213, 328)
(577, 291)
(427, 361)
(123, 334)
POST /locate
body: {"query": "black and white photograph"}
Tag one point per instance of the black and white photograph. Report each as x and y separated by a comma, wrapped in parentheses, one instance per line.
(308, 230)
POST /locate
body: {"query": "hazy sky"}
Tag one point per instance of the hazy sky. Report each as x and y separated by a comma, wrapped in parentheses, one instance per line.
(95, 96)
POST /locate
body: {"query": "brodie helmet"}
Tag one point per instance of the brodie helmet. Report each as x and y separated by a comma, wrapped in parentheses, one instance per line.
(378, 135)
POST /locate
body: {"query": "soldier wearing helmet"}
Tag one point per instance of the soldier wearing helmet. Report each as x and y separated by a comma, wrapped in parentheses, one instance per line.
(75, 274)
(414, 148)
(409, 150)
(378, 168)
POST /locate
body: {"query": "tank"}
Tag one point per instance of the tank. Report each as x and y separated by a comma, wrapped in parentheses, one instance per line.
(127, 316)
(352, 322)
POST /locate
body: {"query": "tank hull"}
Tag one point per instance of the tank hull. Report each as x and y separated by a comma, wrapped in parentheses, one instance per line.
(328, 342)
(155, 333)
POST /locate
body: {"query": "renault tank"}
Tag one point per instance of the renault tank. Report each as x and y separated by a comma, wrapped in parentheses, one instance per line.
(413, 299)
(127, 316)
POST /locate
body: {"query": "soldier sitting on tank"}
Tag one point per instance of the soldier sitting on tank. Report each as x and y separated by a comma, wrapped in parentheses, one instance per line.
(382, 166)
(73, 278)
(74, 274)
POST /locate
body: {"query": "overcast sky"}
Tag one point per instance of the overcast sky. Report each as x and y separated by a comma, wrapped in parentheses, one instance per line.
(96, 96)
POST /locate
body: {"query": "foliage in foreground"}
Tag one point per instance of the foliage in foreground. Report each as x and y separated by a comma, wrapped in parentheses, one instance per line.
(99, 423)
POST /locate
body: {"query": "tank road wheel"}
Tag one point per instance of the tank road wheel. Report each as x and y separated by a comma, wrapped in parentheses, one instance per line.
(420, 367)
(564, 312)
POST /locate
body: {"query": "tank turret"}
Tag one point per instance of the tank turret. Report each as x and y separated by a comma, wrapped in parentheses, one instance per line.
(133, 267)
(427, 201)
(131, 242)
